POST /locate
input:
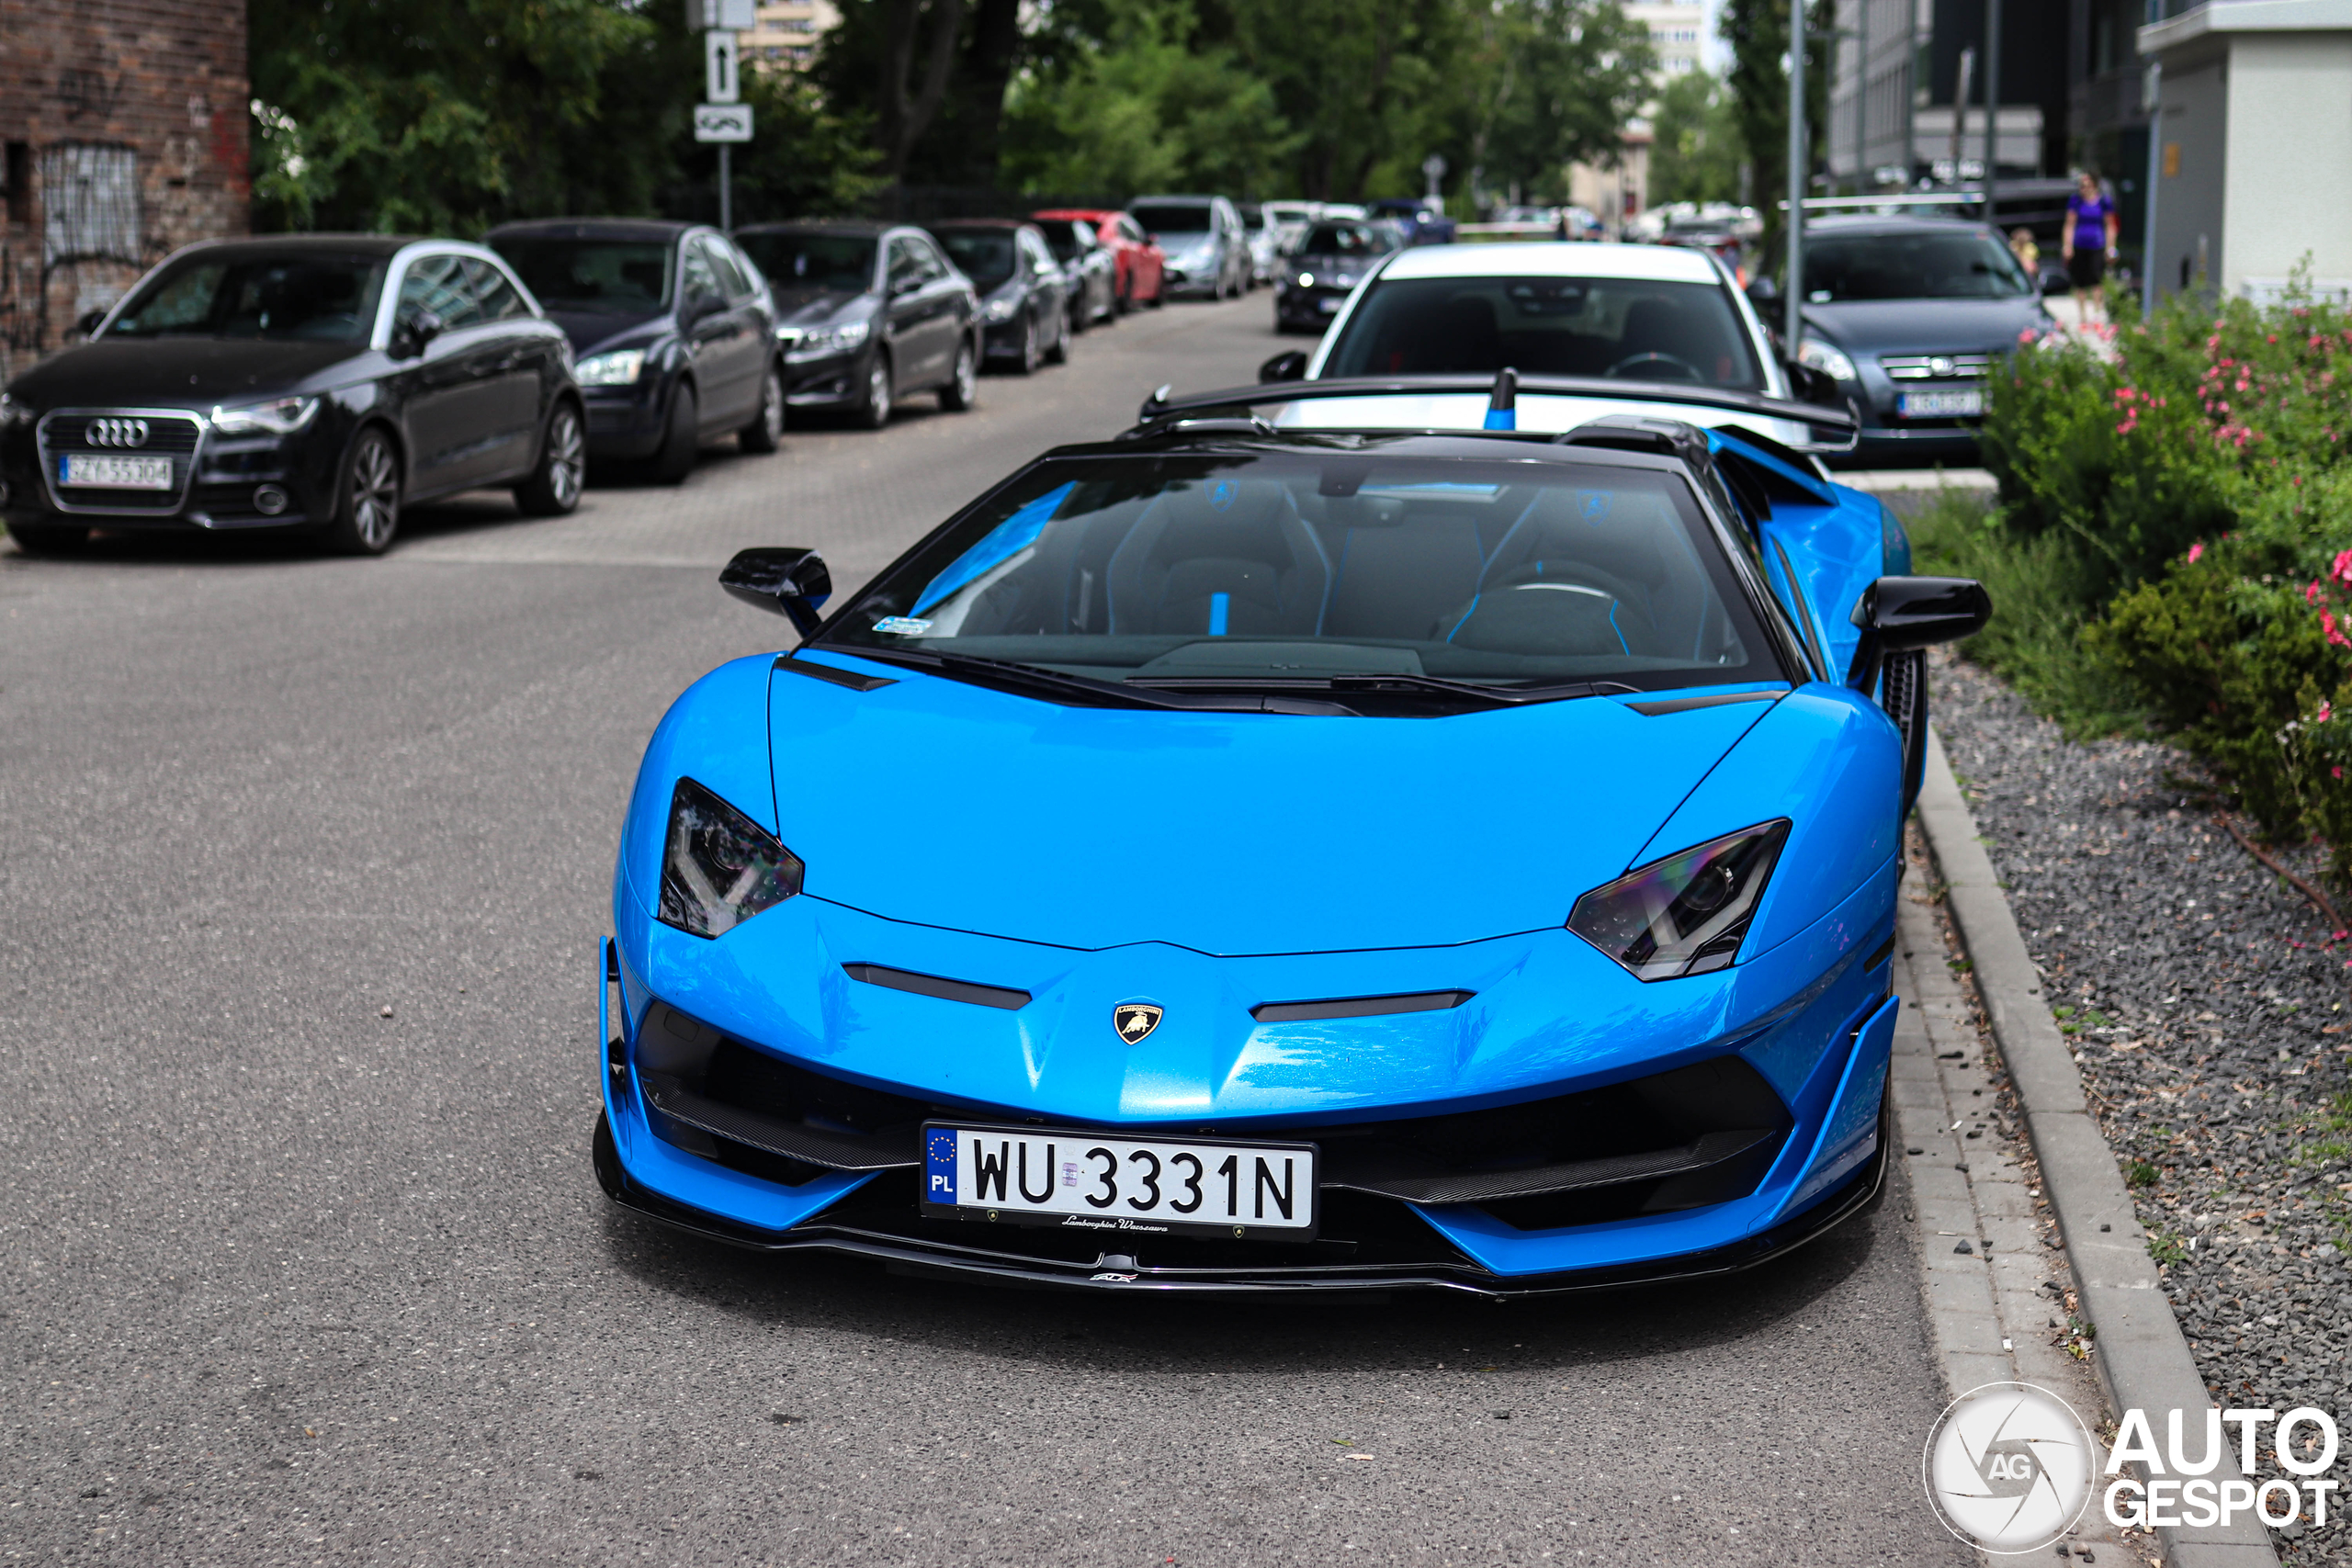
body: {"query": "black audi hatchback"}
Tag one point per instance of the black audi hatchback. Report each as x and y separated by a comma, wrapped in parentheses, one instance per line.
(318, 382)
(675, 329)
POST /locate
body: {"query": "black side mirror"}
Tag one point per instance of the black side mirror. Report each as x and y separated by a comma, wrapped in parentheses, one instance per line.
(1763, 293)
(412, 328)
(791, 582)
(89, 322)
(1814, 386)
(1898, 614)
(1288, 366)
(699, 306)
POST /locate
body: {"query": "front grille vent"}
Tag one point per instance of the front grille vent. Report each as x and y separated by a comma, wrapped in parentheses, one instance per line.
(1934, 367)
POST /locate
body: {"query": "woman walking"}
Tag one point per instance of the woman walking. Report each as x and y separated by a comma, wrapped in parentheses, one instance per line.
(2092, 227)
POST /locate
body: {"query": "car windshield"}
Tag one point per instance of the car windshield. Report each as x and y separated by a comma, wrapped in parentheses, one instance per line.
(1062, 238)
(1634, 327)
(1962, 265)
(1173, 216)
(1343, 239)
(984, 256)
(611, 277)
(838, 263)
(1321, 565)
(309, 298)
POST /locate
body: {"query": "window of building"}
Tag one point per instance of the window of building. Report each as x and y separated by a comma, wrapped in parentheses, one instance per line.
(90, 201)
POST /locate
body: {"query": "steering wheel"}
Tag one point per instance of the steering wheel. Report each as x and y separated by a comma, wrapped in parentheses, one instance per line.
(1689, 372)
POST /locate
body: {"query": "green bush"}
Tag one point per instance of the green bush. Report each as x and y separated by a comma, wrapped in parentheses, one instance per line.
(2169, 544)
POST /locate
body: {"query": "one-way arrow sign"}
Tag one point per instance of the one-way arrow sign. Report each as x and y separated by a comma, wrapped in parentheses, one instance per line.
(722, 122)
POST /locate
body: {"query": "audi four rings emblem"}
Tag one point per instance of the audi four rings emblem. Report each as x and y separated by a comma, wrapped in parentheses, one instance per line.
(117, 432)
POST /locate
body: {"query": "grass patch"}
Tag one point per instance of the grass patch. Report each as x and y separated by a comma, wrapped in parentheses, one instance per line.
(2034, 639)
(2140, 1173)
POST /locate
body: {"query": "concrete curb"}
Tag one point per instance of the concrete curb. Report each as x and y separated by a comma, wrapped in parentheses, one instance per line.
(2141, 1356)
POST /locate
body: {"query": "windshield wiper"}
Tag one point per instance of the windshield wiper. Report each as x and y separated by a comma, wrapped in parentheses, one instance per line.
(1055, 685)
(1493, 696)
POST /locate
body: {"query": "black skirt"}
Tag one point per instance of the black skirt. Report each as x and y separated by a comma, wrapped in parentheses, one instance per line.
(2087, 269)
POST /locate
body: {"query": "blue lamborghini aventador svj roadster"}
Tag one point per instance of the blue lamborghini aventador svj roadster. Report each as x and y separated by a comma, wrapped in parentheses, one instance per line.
(1230, 858)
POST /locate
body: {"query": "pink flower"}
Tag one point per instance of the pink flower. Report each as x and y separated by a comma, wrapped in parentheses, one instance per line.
(2026, 337)
(2324, 712)
(2342, 570)
(2197, 549)
(2311, 594)
(2335, 635)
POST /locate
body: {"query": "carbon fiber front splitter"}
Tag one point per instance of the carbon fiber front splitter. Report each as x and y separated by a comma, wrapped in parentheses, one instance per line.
(908, 1255)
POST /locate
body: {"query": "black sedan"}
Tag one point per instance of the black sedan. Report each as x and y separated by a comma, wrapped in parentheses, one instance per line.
(870, 312)
(1089, 270)
(1319, 272)
(675, 334)
(1910, 315)
(1024, 299)
(316, 382)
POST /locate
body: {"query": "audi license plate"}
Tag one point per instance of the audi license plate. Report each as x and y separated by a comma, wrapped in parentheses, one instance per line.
(1091, 1182)
(99, 471)
(1969, 404)
(1328, 305)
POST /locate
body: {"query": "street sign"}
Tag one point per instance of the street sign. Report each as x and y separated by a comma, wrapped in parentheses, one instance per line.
(733, 16)
(722, 81)
(722, 122)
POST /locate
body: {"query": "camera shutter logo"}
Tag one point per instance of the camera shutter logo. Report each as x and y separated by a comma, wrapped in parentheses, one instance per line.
(2008, 1467)
(115, 433)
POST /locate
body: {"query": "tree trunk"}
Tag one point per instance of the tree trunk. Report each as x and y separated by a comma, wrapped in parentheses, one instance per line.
(904, 111)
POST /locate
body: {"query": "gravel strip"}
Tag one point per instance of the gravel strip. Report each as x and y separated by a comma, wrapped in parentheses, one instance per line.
(2207, 1003)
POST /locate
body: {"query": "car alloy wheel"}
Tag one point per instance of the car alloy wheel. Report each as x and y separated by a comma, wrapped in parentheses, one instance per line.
(370, 511)
(765, 432)
(554, 486)
(964, 384)
(874, 413)
(1029, 345)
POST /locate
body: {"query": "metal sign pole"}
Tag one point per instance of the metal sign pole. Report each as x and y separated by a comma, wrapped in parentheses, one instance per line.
(1991, 100)
(1795, 301)
(726, 187)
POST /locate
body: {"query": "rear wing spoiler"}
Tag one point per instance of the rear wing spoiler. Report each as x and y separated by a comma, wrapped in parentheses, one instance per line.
(1833, 430)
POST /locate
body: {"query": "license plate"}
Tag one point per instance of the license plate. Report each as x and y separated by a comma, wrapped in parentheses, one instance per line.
(1969, 404)
(1327, 306)
(1091, 1182)
(104, 472)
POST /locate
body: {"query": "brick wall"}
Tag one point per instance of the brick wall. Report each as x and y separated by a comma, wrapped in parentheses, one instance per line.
(124, 127)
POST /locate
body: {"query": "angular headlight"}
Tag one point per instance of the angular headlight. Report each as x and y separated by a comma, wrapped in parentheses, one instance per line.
(818, 342)
(1827, 358)
(280, 416)
(718, 867)
(620, 368)
(1686, 914)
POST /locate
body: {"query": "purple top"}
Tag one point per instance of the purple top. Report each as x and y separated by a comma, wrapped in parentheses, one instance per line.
(2090, 220)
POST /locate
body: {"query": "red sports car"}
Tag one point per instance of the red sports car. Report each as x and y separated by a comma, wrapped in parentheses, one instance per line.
(1140, 261)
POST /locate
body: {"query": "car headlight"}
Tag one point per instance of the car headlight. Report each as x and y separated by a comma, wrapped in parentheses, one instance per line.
(1829, 360)
(1686, 914)
(718, 867)
(816, 342)
(619, 367)
(279, 416)
(13, 413)
(999, 311)
(1306, 280)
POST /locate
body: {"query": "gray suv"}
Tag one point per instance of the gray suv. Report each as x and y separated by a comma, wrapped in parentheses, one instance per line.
(1207, 247)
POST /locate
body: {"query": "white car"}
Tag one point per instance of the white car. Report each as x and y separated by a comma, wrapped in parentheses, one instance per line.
(1669, 323)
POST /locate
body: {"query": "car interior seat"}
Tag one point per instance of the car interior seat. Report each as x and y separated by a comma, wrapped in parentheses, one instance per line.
(1218, 557)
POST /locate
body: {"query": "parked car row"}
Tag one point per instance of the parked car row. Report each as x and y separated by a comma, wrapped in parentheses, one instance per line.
(323, 383)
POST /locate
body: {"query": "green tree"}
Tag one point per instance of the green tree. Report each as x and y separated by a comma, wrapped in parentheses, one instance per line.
(1152, 106)
(1757, 31)
(1550, 83)
(1695, 149)
(390, 117)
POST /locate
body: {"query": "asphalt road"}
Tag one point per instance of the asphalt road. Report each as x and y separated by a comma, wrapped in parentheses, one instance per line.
(286, 1280)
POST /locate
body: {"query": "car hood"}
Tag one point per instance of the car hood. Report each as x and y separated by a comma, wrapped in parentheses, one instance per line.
(179, 372)
(594, 331)
(1927, 326)
(940, 804)
(815, 307)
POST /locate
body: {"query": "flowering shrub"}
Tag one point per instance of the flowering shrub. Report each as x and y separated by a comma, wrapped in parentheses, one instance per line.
(2188, 486)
